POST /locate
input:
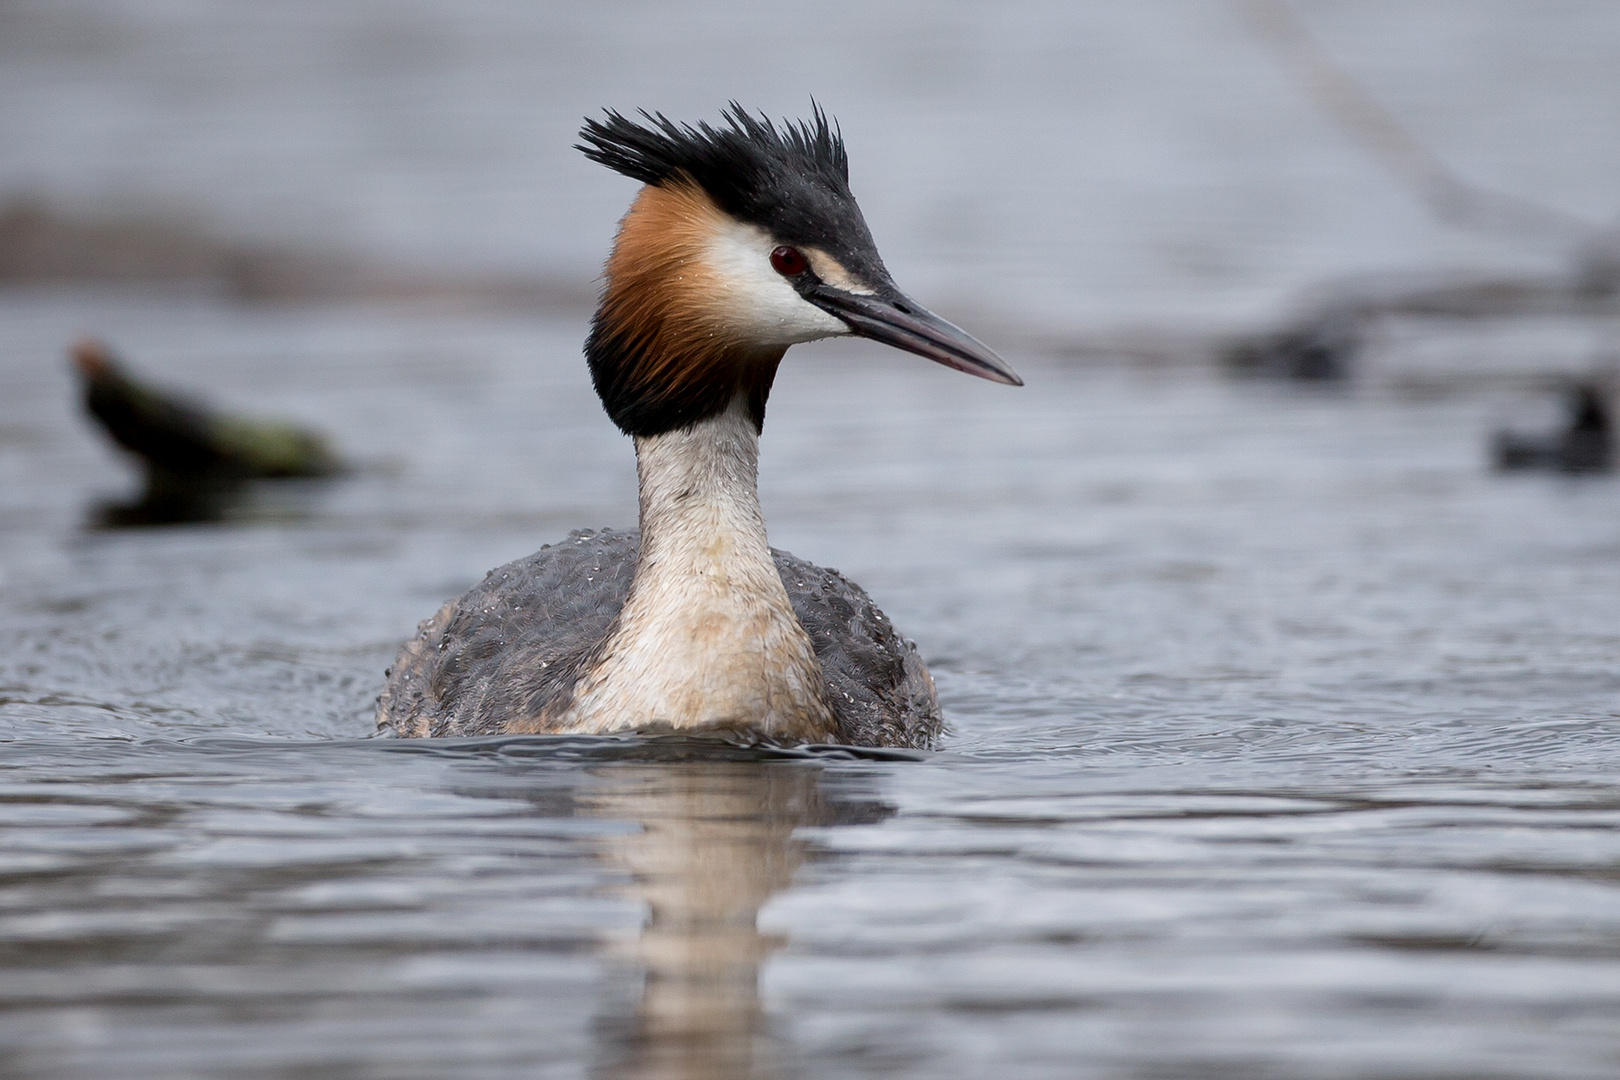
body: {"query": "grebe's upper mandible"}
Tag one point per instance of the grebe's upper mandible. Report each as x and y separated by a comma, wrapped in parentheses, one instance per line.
(745, 240)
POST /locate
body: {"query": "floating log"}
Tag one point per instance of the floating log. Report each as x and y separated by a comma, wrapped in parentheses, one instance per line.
(195, 459)
(172, 433)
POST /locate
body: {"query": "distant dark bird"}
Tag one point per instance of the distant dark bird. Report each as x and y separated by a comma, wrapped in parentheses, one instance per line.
(1584, 445)
(744, 241)
(1320, 349)
(191, 454)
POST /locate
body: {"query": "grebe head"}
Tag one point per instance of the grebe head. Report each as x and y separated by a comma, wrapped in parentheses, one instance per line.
(745, 240)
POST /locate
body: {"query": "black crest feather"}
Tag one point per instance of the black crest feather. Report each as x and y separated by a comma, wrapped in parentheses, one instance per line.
(738, 164)
(790, 179)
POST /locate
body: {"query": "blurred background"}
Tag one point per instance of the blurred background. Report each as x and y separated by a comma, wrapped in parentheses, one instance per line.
(1057, 166)
(1274, 620)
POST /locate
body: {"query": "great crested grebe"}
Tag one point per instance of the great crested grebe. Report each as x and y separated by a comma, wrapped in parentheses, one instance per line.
(745, 240)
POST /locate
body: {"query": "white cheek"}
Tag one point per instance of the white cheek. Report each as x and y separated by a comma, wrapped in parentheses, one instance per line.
(757, 300)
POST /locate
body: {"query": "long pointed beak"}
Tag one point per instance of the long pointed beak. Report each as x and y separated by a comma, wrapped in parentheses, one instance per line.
(897, 320)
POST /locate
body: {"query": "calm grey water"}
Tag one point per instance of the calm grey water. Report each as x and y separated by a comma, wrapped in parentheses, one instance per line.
(1284, 735)
(1284, 738)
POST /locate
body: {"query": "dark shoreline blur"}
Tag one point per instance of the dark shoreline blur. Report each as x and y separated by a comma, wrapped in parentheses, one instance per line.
(42, 244)
(1324, 335)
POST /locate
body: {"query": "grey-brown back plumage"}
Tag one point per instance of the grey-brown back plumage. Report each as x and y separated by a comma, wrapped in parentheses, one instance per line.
(516, 644)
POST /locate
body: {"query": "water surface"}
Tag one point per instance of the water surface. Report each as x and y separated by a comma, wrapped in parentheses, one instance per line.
(1283, 737)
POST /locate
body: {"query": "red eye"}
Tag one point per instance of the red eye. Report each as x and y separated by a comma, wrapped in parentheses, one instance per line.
(788, 262)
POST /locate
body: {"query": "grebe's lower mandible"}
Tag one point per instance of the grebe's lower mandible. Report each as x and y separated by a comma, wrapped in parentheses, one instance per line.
(745, 240)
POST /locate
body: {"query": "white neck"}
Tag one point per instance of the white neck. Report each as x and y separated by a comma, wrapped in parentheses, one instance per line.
(707, 638)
